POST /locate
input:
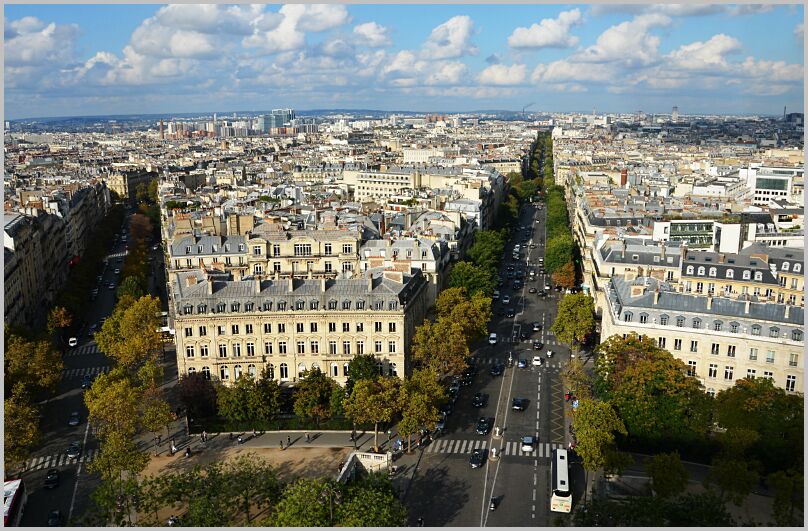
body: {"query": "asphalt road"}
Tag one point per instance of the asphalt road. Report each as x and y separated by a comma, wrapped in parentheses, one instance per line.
(72, 496)
(445, 490)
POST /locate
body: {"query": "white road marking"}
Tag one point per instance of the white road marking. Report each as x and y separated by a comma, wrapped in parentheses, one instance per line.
(78, 475)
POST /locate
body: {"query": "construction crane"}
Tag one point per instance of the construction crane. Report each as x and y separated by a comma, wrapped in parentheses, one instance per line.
(525, 107)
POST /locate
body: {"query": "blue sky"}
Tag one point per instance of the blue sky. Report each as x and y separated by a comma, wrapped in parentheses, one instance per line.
(65, 60)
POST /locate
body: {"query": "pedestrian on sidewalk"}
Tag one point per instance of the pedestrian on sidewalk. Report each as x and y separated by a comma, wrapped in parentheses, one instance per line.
(288, 441)
(308, 439)
(281, 444)
(159, 439)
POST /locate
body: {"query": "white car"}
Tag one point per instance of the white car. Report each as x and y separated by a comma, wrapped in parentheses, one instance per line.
(537, 361)
(492, 338)
(506, 299)
(528, 443)
(73, 341)
(550, 354)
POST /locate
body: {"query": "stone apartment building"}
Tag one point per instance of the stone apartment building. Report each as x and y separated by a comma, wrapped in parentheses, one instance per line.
(226, 328)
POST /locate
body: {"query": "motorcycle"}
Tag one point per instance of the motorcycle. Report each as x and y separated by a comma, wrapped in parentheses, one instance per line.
(493, 505)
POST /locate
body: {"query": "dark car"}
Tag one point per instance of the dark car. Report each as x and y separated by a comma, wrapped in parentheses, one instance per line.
(86, 381)
(479, 400)
(519, 404)
(532, 290)
(484, 425)
(74, 419)
(558, 288)
(55, 518)
(509, 312)
(524, 336)
(542, 293)
(517, 284)
(446, 409)
(467, 380)
(477, 458)
(522, 363)
(74, 450)
(538, 345)
(52, 479)
(497, 369)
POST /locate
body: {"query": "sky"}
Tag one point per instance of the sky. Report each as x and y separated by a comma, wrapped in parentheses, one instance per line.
(79, 60)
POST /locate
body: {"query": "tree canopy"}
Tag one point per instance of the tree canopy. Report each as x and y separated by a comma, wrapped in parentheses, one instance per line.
(575, 319)
(595, 425)
(313, 396)
(475, 279)
(373, 401)
(560, 251)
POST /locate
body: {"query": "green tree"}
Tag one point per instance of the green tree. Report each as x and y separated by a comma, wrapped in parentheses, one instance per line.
(131, 334)
(441, 345)
(565, 276)
(487, 249)
(788, 487)
(20, 428)
(668, 475)
(266, 401)
(526, 189)
(236, 402)
(473, 278)
(420, 396)
(373, 401)
(59, 318)
(734, 478)
(362, 367)
(454, 306)
(119, 454)
(560, 249)
(575, 319)
(251, 483)
(141, 192)
(132, 286)
(313, 396)
(575, 379)
(156, 415)
(197, 395)
(368, 505)
(307, 503)
(595, 425)
(113, 403)
(35, 364)
(153, 192)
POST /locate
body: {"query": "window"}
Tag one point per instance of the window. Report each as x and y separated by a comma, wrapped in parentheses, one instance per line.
(250, 349)
(713, 371)
(234, 307)
(769, 356)
(391, 347)
(699, 287)
(750, 373)
(728, 372)
(717, 326)
(701, 271)
(696, 323)
(756, 330)
(332, 305)
(347, 266)
(268, 348)
(237, 372)
(222, 350)
(747, 274)
(753, 354)
(300, 327)
(711, 391)
(206, 373)
(346, 305)
(713, 271)
(334, 370)
(714, 348)
(281, 347)
(189, 331)
(327, 249)
(731, 351)
(758, 276)
(730, 273)
(301, 347)
(301, 370)
(627, 317)
(791, 383)
(313, 305)
(663, 320)
(360, 327)
(792, 360)
(191, 370)
(377, 347)
(774, 332)
(332, 327)
(391, 327)
(271, 371)
(281, 308)
(345, 369)
(360, 305)
(377, 326)
(796, 335)
(691, 368)
(234, 329)
(643, 318)
(347, 248)
(733, 328)
(346, 348)
(346, 327)
(276, 266)
(689, 270)
(258, 269)
(797, 268)
(768, 374)
(680, 322)
(328, 267)
(284, 371)
(224, 373)
(189, 351)
(392, 370)
(315, 347)
(248, 329)
(300, 305)
(251, 371)
(276, 251)
(236, 349)
(203, 351)
(313, 328)
(677, 344)
(281, 328)
(661, 342)
(187, 310)
(694, 346)
(256, 250)
(380, 366)
(302, 249)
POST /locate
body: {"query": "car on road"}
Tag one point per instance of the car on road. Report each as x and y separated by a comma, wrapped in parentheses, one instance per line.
(550, 353)
(467, 380)
(506, 299)
(74, 419)
(538, 345)
(495, 296)
(440, 425)
(528, 443)
(52, 479)
(542, 293)
(558, 289)
(537, 326)
(532, 290)
(524, 336)
(73, 341)
(519, 404)
(479, 400)
(484, 425)
(492, 338)
(497, 369)
(74, 450)
(452, 394)
(537, 361)
(117, 271)
(92, 329)
(445, 409)
(55, 518)
(86, 381)
(532, 245)
(111, 285)
(521, 364)
(509, 312)
(477, 458)
(547, 288)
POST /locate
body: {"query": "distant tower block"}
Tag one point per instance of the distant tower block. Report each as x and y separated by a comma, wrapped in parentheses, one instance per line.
(162, 132)
(675, 114)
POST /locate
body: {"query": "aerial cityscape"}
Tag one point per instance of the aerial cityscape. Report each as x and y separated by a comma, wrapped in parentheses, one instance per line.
(311, 265)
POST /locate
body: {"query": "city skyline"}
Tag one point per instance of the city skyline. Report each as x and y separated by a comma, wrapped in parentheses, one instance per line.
(84, 60)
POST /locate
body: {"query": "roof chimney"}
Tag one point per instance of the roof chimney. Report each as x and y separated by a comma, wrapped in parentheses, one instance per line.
(709, 302)
(623, 250)
(656, 297)
(257, 286)
(662, 251)
(370, 283)
(190, 280)
(721, 258)
(322, 285)
(748, 303)
(210, 285)
(291, 283)
(788, 308)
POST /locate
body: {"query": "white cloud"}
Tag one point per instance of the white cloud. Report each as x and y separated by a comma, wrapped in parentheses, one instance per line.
(450, 40)
(503, 75)
(704, 55)
(210, 18)
(447, 73)
(564, 71)
(773, 71)
(628, 42)
(549, 33)
(405, 62)
(679, 10)
(35, 44)
(372, 35)
(799, 30)
(289, 33)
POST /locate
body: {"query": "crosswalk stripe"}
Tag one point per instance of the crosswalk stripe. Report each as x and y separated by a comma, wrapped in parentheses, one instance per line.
(462, 447)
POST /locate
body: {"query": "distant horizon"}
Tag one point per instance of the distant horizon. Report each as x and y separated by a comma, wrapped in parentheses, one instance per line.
(65, 60)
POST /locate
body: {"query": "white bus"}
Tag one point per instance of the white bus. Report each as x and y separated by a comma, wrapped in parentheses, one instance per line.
(561, 499)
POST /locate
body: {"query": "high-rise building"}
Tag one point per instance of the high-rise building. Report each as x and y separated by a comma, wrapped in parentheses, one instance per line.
(675, 114)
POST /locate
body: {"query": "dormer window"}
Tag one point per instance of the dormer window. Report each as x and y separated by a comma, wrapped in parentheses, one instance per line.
(234, 307)
(202, 308)
(267, 306)
(689, 270)
(713, 271)
(758, 275)
(346, 305)
(300, 305)
(227, 247)
(701, 271)
(282, 306)
(188, 250)
(747, 274)
(188, 309)
(199, 249)
(797, 268)
(332, 305)
(214, 248)
(241, 247)
(730, 273)
(784, 267)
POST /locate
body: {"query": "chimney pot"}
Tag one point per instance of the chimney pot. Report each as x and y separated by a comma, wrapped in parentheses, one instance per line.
(210, 285)
(257, 286)
(291, 283)
(322, 285)
(746, 306)
(709, 302)
(370, 283)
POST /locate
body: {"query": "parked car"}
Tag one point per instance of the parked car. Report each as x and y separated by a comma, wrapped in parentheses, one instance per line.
(509, 312)
(55, 518)
(495, 296)
(479, 400)
(506, 299)
(52, 479)
(537, 361)
(497, 369)
(532, 289)
(528, 443)
(522, 363)
(538, 345)
(492, 338)
(537, 326)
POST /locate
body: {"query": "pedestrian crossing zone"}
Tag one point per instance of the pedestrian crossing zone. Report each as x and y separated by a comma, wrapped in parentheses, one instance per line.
(466, 446)
(84, 371)
(57, 460)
